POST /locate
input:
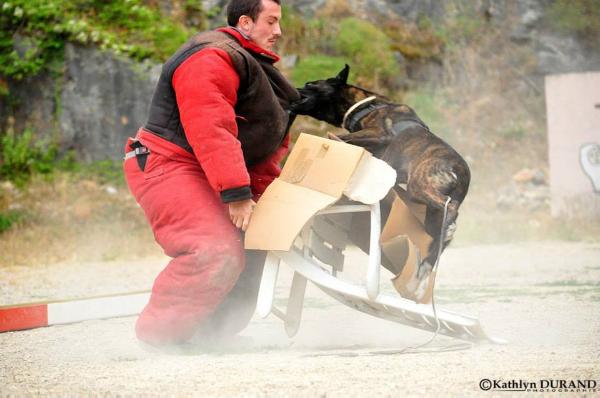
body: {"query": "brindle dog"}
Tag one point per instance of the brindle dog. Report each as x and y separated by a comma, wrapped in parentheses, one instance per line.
(430, 168)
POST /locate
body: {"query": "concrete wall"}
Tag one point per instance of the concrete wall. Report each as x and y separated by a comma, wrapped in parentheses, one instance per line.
(573, 115)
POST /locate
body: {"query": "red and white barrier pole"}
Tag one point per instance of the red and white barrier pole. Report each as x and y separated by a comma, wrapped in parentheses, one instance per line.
(35, 315)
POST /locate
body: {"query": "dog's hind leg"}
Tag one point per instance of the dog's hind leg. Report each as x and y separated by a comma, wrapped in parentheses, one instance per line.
(436, 225)
(432, 184)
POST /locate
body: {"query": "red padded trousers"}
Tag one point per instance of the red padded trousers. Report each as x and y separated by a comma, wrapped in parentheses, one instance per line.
(192, 226)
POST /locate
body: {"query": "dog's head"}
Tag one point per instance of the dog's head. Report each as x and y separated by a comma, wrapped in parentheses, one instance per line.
(325, 100)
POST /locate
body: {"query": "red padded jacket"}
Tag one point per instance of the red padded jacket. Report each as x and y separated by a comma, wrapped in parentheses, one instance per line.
(206, 87)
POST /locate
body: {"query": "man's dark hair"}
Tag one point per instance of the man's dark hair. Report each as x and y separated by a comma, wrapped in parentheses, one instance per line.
(237, 8)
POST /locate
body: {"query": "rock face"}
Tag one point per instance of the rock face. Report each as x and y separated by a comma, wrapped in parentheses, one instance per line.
(32, 105)
(556, 52)
(104, 99)
(98, 99)
(410, 10)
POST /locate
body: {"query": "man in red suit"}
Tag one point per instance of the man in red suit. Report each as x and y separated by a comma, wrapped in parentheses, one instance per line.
(217, 130)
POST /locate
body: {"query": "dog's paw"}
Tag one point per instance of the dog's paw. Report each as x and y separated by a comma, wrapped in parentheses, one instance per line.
(334, 137)
(411, 287)
(416, 287)
(421, 289)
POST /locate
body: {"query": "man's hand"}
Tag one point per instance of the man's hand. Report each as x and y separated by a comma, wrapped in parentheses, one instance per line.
(240, 212)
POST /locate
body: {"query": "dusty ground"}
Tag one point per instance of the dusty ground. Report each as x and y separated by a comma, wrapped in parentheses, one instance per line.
(543, 297)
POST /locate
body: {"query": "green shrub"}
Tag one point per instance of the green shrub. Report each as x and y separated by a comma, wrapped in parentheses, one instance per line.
(10, 218)
(33, 32)
(293, 26)
(21, 157)
(581, 17)
(368, 48)
(316, 67)
(414, 41)
(512, 130)
(464, 26)
(319, 36)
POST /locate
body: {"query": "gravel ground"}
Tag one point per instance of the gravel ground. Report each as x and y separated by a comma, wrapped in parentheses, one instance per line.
(544, 298)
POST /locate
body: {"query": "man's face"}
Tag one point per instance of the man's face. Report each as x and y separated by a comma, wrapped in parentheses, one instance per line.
(265, 30)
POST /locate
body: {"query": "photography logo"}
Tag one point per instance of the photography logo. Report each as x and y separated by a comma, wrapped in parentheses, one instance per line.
(543, 385)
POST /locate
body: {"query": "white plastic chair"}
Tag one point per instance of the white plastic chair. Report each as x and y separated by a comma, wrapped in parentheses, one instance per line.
(317, 256)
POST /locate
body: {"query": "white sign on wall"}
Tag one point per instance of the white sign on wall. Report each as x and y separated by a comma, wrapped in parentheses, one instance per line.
(590, 162)
(573, 116)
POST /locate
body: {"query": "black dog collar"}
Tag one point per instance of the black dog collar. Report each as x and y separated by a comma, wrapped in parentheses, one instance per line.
(401, 125)
(359, 110)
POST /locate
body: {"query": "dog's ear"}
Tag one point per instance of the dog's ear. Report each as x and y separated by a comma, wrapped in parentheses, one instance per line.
(343, 75)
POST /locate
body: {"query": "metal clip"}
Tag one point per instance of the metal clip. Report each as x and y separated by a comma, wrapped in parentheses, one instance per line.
(141, 151)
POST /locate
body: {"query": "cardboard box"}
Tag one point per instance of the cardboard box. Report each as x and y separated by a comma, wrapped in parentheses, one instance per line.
(404, 243)
(316, 175)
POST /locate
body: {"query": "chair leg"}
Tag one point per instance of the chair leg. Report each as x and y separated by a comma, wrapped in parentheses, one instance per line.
(293, 314)
(266, 293)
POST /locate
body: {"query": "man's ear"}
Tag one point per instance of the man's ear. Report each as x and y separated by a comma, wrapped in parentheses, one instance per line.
(343, 75)
(245, 24)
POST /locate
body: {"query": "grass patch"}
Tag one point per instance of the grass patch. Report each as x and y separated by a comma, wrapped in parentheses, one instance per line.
(316, 67)
(106, 171)
(9, 219)
(581, 17)
(74, 211)
(22, 155)
(369, 49)
(428, 104)
(512, 130)
(71, 218)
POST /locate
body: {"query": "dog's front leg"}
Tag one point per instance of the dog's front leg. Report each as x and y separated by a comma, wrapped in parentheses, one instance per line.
(366, 133)
(369, 138)
(334, 137)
